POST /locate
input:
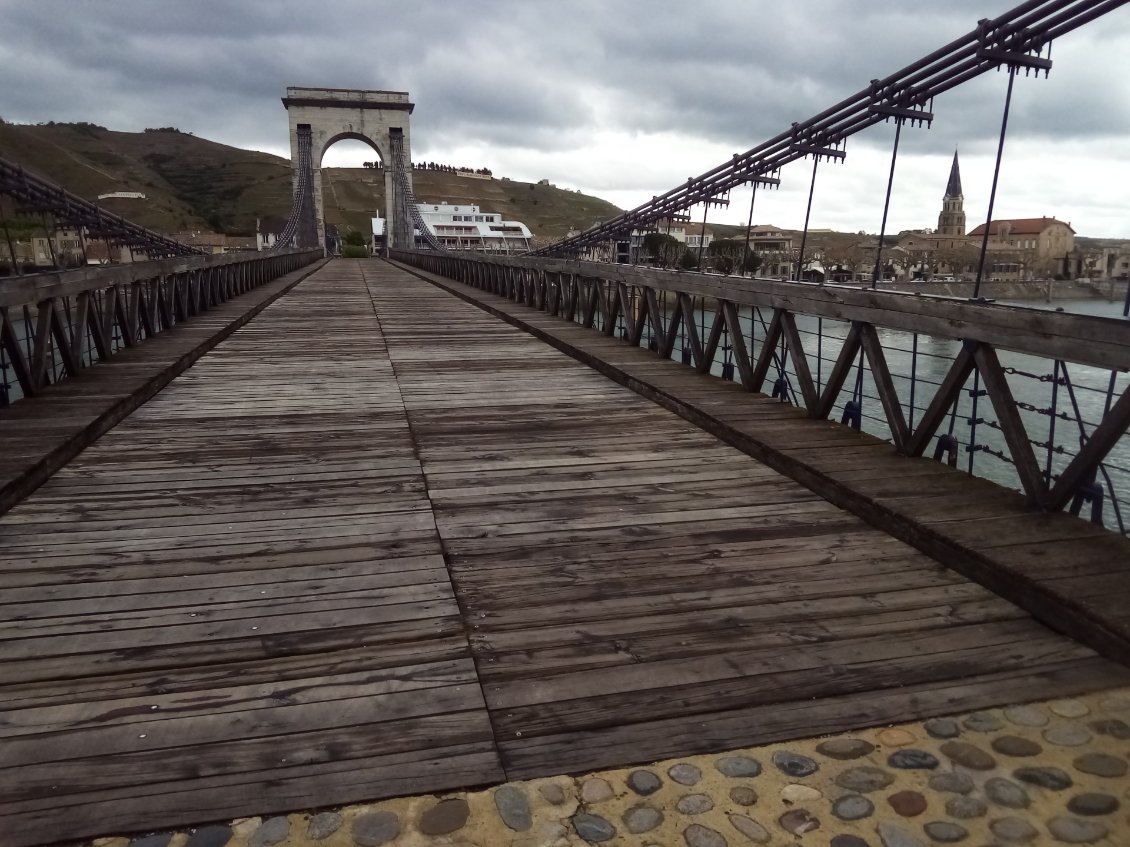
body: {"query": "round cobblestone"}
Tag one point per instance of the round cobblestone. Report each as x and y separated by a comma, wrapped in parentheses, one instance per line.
(798, 821)
(738, 767)
(1113, 727)
(983, 722)
(945, 832)
(864, 779)
(1052, 779)
(966, 808)
(794, 792)
(216, 835)
(1069, 708)
(912, 760)
(895, 737)
(1013, 830)
(743, 795)
(684, 773)
(1076, 831)
(853, 807)
(942, 728)
(1092, 803)
(323, 825)
(1025, 716)
(553, 793)
(595, 790)
(969, 755)
(445, 817)
(642, 818)
(958, 783)
(1117, 703)
(1067, 735)
(270, 832)
(161, 839)
(1014, 745)
(593, 828)
(907, 804)
(1005, 792)
(375, 828)
(750, 828)
(694, 804)
(848, 841)
(794, 764)
(697, 835)
(513, 808)
(1101, 764)
(894, 836)
(844, 749)
(644, 783)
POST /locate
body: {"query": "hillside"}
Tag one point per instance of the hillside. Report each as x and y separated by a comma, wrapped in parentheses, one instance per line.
(191, 183)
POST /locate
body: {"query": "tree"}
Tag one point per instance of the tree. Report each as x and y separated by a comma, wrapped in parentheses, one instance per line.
(731, 253)
(845, 260)
(689, 260)
(752, 262)
(355, 238)
(957, 260)
(661, 247)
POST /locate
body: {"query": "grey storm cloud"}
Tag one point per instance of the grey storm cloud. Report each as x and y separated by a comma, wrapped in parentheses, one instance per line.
(540, 75)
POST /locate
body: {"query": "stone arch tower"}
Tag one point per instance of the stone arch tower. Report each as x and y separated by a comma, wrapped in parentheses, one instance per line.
(333, 114)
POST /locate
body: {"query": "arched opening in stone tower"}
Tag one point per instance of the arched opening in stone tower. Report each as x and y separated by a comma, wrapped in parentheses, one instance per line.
(353, 187)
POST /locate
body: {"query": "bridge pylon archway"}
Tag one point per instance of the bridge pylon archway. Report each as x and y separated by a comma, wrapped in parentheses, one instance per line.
(328, 115)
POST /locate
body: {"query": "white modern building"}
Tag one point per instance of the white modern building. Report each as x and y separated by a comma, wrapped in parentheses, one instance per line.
(377, 245)
(467, 227)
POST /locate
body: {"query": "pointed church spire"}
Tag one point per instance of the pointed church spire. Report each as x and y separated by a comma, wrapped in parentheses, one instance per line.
(953, 187)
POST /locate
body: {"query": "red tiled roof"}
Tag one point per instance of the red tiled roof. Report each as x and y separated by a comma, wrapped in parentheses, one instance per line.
(1020, 226)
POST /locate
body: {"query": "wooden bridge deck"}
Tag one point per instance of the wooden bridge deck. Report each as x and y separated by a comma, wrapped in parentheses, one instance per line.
(379, 542)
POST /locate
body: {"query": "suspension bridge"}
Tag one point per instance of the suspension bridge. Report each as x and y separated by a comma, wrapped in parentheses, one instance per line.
(282, 532)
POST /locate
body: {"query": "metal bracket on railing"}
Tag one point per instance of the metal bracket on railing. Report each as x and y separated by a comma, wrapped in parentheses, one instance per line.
(901, 102)
(1014, 49)
(947, 447)
(817, 144)
(1089, 492)
(781, 389)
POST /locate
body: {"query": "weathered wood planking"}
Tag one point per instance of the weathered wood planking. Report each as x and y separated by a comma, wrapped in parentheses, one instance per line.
(639, 590)
(255, 553)
(40, 437)
(974, 526)
(236, 601)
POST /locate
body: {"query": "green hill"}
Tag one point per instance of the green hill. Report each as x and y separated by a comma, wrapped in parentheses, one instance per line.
(193, 183)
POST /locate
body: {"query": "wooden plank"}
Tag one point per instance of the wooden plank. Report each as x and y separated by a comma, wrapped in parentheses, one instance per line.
(800, 360)
(230, 579)
(1012, 427)
(884, 384)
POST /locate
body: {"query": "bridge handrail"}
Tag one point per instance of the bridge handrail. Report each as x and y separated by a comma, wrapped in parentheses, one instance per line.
(706, 314)
(33, 288)
(1036, 332)
(55, 324)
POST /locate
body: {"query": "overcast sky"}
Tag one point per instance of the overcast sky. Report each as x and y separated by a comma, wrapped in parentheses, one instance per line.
(620, 98)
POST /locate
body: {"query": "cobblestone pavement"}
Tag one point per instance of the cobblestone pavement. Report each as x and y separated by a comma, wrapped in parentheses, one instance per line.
(1041, 774)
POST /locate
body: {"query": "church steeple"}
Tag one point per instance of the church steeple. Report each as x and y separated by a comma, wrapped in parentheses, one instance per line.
(953, 187)
(952, 219)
